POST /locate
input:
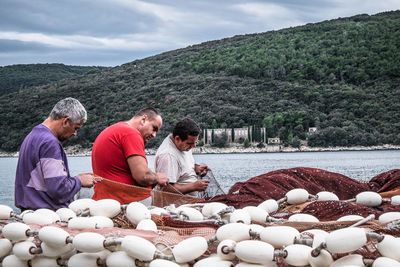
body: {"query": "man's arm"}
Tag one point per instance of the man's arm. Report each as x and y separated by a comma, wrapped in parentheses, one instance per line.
(142, 174)
(199, 185)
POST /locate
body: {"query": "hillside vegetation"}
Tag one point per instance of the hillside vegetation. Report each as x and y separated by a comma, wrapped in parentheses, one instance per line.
(19, 77)
(341, 76)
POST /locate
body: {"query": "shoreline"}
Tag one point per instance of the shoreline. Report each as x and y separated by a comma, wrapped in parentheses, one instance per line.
(76, 151)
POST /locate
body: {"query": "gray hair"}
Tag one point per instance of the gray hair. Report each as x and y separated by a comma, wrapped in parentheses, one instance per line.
(71, 108)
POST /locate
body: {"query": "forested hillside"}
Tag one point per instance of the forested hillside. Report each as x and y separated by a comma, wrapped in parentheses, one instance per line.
(19, 77)
(341, 76)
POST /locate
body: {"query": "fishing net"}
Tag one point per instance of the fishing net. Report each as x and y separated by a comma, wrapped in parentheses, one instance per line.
(162, 198)
(213, 188)
(277, 183)
(121, 192)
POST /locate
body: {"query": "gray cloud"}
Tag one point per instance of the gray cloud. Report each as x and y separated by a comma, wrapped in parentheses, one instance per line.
(113, 32)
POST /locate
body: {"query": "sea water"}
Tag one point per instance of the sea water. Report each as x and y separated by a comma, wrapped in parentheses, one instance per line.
(231, 168)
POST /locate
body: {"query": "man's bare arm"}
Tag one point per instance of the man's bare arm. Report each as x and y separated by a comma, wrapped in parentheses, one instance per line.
(199, 185)
(142, 174)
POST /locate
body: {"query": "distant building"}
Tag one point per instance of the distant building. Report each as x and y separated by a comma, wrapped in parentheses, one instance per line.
(312, 130)
(236, 135)
(274, 141)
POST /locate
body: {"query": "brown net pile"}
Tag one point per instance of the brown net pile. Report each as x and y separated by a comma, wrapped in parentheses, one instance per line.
(275, 184)
(333, 210)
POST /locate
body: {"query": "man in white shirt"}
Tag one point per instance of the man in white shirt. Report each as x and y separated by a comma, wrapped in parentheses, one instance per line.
(174, 158)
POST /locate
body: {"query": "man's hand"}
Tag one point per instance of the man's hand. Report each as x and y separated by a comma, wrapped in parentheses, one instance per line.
(88, 179)
(201, 169)
(201, 185)
(161, 178)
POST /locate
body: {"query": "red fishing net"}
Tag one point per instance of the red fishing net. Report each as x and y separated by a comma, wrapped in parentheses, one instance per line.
(277, 183)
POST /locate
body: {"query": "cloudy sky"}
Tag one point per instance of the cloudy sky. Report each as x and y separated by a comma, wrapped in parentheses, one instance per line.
(113, 32)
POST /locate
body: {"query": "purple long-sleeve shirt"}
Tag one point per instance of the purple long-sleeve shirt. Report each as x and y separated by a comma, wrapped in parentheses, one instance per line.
(43, 179)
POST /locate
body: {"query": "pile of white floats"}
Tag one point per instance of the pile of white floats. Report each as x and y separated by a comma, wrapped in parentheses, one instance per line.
(42, 238)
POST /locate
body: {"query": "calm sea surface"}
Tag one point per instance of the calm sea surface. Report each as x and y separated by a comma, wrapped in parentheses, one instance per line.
(231, 168)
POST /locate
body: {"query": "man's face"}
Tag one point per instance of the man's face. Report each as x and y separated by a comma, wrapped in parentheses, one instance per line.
(186, 145)
(149, 127)
(69, 129)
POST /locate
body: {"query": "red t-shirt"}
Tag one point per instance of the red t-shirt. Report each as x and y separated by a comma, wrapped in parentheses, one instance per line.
(112, 148)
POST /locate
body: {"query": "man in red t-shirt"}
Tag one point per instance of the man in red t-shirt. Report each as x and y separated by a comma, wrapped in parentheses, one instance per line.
(118, 154)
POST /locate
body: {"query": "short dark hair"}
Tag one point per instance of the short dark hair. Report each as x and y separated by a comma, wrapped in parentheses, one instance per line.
(150, 112)
(186, 127)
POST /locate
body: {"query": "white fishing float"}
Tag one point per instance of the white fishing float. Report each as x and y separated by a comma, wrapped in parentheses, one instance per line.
(212, 208)
(297, 196)
(65, 214)
(102, 221)
(351, 217)
(40, 261)
(163, 263)
(385, 262)
(389, 247)
(189, 249)
(24, 250)
(256, 228)
(346, 240)
(54, 236)
(158, 211)
(349, 260)
(136, 211)
(314, 232)
(297, 254)
(269, 205)
(17, 231)
(5, 247)
(5, 212)
(82, 223)
(254, 251)
(212, 261)
(234, 231)
(257, 214)
(226, 249)
(50, 213)
(318, 239)
(14, 261)
(89, 242)
(302, 217)
(322, 258)
(105, 207)
(279, 236)
(369, 199)
(120, 259)
(37, 218)
(389, 216)
(326, 196)
(395, 200)
(138, 248)
(54, 252)
(81, 205)
(240, 216)
(189, 214)
(246, 264)
(147, 225)
(84, 260)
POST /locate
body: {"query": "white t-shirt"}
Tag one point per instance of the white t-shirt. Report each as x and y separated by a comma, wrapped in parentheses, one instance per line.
(177, 165)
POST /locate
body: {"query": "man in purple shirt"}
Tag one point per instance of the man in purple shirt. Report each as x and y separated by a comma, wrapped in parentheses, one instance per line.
(43, 179)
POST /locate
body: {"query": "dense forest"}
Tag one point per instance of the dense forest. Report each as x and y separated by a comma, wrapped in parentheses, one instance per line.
(340, 76)
(20, 77)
